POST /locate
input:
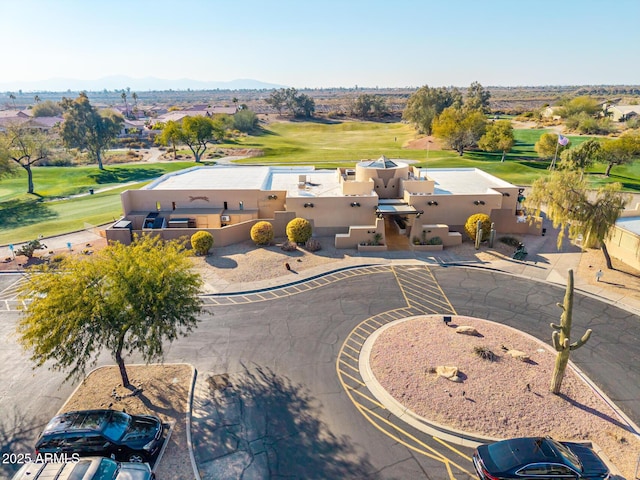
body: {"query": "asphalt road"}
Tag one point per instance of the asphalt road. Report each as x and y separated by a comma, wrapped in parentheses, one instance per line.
(287, 344)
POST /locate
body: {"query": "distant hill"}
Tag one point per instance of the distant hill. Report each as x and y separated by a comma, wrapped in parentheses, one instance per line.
(121, 82)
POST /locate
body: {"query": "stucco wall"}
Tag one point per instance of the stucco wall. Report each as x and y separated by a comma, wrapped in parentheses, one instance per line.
(625, 246)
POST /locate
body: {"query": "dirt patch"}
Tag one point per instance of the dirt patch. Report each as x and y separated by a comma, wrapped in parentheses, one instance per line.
(164, 393)
(20, 262)
(246, 262)
(494, 398)
(621, 279)
(422, 142)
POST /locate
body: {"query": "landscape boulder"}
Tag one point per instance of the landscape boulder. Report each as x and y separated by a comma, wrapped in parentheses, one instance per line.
(467, 330)
(448, 372)
(519, 355)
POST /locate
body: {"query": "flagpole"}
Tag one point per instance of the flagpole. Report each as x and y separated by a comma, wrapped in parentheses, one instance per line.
(553, 162)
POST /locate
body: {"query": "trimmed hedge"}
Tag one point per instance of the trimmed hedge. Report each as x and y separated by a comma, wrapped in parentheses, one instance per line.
(202, 242)
(262, 233)
(299, 230)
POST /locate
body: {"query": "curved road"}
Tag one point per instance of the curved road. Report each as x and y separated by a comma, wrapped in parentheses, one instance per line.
(287, 345)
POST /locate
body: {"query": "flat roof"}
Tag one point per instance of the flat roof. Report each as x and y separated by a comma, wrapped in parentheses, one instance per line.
(630, 223)
(317, 183)
(468, 181)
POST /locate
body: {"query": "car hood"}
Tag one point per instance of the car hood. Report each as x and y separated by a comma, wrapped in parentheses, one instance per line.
(134, 471)
(592, 464)
(141, 428)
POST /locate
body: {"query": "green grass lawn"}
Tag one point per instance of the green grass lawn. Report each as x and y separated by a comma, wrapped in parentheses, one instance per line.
(23, 217)
(323, 144)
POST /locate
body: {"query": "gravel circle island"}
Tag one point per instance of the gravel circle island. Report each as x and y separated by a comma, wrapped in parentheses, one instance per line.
(501, 397)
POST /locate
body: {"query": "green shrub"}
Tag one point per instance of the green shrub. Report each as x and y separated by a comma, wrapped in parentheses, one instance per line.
(262, 233)
(245, 121)
(434, 241)
(470, 226)
(202, 242)
(299, 230)
(29, 248)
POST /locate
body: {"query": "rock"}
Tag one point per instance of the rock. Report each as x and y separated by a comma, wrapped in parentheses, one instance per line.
(466, 330)
(448, 372)
(517, 354)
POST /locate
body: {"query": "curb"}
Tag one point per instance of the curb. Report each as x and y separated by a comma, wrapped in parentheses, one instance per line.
(192, 457)
(457, 436)
(187, 414)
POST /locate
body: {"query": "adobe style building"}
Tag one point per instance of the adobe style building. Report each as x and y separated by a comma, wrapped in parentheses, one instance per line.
(358, 206)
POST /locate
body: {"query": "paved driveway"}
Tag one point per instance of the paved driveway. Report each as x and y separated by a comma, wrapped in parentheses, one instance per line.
(280, 352)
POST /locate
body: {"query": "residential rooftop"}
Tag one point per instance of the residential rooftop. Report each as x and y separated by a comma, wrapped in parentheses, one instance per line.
(306, 181)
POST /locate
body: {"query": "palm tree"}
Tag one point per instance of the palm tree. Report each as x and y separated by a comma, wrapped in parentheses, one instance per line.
(126, 105)
(37, 98)
(135, 98)
(13, 97)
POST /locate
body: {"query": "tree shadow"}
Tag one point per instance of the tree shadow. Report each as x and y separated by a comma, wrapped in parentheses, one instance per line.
(17, 436)
(596, 413)
(19, 213)
(268, 424)
(125, 174)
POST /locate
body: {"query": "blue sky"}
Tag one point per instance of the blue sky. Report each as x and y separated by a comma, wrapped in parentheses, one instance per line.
(328, 43)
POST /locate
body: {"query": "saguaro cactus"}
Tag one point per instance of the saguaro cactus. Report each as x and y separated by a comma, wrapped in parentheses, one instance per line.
(562, 334)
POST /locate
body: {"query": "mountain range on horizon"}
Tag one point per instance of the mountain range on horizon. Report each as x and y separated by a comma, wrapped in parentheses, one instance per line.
(122, 82)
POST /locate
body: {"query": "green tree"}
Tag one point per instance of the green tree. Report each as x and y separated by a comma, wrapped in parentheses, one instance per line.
(171, 134)
(245, 121)
(48, 108)
(277, 99)
(365, 106)
(6, 167)
(198, 132)
(572, 207)
(547, 146)
(427, 103)
(498, 138)
(622, 150)
(477, 98)
(302, 106)
(88, 129)
(589, 125)
(460, 128)
(582, 104)
(36, 99)
(26, 147)
(124, 298)
(582, 156)
(126, 105)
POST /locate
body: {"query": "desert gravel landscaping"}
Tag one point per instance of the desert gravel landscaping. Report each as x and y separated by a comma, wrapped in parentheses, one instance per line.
(165, 394)
(503, 398)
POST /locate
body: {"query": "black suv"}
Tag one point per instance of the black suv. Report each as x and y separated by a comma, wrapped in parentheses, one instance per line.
(108, 433)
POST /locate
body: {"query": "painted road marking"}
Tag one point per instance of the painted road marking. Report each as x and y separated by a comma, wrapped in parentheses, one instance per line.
(423, 295)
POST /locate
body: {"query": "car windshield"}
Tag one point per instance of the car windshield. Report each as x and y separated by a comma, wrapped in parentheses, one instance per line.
(107, 470)
(569, 456)
(117, 425)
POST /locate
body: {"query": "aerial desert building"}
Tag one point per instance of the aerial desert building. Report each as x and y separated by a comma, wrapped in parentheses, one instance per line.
(375, 198)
